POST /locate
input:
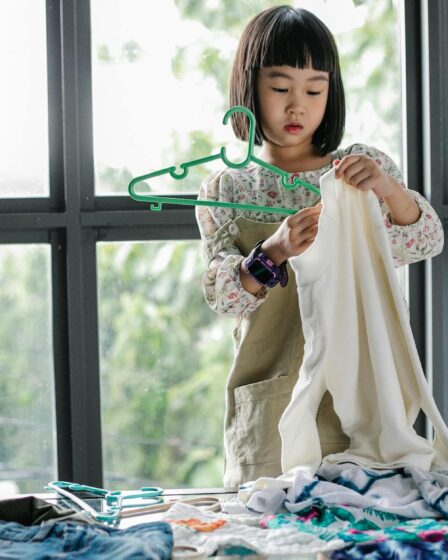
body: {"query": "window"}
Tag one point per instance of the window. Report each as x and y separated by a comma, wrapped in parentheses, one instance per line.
(23, 99)
(27, 420)
(164, 363)
(117, 361)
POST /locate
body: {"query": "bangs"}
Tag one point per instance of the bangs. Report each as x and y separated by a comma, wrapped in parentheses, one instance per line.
(292, 38)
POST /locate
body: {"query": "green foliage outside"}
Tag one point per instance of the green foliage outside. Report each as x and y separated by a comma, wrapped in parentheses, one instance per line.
(164, 361)
(26, 384)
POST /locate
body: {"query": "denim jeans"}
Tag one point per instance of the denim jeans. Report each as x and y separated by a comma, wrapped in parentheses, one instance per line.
(68, 540)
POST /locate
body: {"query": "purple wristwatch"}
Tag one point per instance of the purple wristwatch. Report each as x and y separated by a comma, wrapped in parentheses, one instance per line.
(263, 270)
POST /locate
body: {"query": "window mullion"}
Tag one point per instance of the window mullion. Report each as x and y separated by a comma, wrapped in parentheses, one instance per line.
(80, 257)
(435, 78)
(412, 120)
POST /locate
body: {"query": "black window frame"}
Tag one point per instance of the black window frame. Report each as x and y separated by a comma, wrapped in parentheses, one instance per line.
(73, 220)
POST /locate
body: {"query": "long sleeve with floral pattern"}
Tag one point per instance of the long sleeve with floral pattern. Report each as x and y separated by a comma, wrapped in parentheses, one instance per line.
(259, 186)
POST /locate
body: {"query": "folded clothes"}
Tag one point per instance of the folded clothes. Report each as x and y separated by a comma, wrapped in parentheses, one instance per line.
(67, 540)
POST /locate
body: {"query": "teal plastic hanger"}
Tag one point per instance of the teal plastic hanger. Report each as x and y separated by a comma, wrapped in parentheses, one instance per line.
(157, 201)
(115, 501)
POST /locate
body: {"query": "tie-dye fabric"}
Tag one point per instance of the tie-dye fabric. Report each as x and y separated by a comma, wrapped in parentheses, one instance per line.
(433, 546)
(391, 513)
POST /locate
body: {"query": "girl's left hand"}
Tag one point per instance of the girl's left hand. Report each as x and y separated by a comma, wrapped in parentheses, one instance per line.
(364, 173)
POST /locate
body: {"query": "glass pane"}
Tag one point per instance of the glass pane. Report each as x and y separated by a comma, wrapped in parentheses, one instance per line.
(372, 85)
(27, 424)
(23, 99)
(165, 357)
(163, 74)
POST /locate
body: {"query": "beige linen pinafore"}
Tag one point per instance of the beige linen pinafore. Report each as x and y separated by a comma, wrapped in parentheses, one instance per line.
(269, 347)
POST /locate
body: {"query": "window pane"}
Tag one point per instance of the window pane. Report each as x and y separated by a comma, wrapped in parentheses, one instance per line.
(163, 74)
(371, 70)
(23, 99)
(165, 357)
(27, 425)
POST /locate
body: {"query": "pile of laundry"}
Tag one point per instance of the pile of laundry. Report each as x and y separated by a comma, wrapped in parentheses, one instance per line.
(344, 511)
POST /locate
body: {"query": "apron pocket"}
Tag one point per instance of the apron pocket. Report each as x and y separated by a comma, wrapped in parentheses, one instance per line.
(258, 408)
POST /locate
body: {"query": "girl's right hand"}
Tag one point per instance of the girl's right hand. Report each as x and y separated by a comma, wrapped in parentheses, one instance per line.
(295, 234)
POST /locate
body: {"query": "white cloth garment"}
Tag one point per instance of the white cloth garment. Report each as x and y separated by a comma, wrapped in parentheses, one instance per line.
(358, 345)
(242, 531)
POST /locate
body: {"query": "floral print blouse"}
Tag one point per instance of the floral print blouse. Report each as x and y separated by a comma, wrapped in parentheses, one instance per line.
(256, 185)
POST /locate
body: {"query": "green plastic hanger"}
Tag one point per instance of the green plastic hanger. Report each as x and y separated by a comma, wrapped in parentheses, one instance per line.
(157, 201)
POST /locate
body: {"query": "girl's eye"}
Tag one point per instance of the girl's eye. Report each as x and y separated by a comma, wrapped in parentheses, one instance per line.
(280, 90)
(314, 92)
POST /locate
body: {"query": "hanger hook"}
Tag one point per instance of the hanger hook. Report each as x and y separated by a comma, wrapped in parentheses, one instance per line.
(252, 126)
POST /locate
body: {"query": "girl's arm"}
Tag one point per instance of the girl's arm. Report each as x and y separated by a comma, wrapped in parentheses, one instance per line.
(417, 240)
(226, 289)
(415, 231)
(403, 210)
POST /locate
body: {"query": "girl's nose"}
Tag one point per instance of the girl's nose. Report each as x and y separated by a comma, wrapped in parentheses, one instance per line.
(297, 106)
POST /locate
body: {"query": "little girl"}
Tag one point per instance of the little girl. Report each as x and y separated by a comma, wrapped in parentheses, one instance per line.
(286, 71)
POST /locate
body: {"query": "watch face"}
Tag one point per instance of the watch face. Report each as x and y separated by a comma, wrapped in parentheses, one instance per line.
(260, 272)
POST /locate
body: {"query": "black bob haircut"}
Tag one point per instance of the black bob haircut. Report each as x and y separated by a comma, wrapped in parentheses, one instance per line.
(294, 37)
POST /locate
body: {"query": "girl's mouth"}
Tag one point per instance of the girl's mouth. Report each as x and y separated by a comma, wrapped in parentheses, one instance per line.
(293, 129)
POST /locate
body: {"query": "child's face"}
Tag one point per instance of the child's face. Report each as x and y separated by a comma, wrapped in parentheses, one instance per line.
(291, 96)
